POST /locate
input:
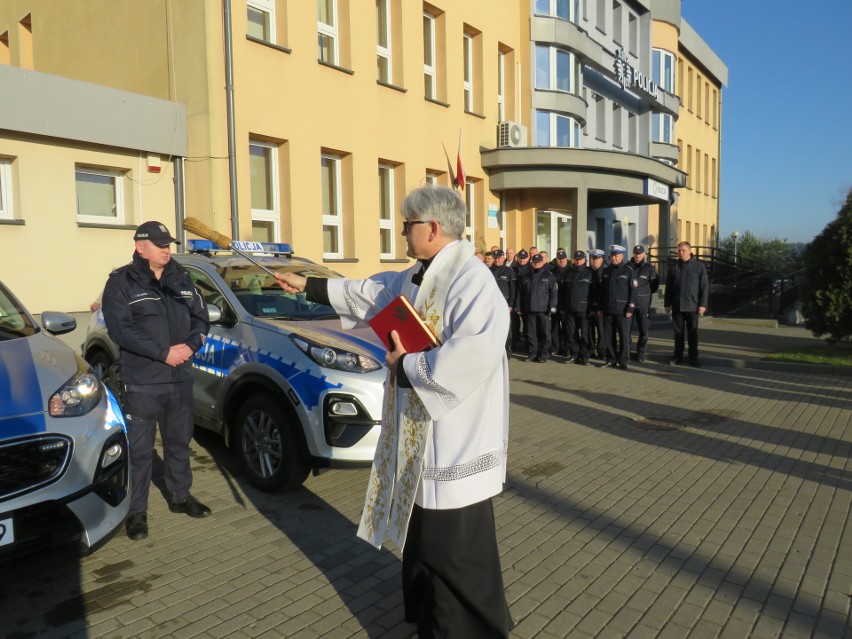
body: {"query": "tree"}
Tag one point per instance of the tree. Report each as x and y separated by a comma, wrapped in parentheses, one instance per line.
(775, 255)
(827, 294)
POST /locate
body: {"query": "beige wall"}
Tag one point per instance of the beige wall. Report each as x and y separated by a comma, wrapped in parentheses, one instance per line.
(49, 261)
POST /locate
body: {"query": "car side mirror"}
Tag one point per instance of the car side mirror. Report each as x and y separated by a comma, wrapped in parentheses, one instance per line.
(214, 312)
(58, 323)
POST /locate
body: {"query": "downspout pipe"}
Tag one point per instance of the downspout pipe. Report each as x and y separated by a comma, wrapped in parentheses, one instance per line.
(180, 210)
(229, 91)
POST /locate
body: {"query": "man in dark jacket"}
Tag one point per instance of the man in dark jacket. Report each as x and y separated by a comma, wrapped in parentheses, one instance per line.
(558, 266)
(536, 299)
(596, 322)
(686, 297)
(505, 277)
(154, 313)
(521, 267)
(615, 304)
(575, 289)
(645, 284)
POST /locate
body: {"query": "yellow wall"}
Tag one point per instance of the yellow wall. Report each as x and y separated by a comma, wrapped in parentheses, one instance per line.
(49, 261)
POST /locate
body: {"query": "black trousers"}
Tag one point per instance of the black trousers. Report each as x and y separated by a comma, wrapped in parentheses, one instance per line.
(518, 331)
(688, 321)
(597, 345)
(642, 322)
(170, 405)
(617, 339)
(574, 339)
(452, 582)
(538, 334)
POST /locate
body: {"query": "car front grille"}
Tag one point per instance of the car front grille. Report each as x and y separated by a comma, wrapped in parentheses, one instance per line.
(30, 463)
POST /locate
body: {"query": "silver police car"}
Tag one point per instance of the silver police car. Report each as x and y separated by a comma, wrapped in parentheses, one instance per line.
(277, 377)
(64, 474)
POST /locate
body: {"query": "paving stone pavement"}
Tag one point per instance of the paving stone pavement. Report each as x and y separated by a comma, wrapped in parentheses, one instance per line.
(655, 502)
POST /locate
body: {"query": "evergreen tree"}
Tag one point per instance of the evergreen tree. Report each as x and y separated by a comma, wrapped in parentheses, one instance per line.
(827, 294)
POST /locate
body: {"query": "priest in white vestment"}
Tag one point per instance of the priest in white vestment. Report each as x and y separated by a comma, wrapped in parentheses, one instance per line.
(442, 452)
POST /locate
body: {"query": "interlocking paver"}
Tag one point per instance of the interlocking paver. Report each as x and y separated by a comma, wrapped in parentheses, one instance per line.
(733, 525)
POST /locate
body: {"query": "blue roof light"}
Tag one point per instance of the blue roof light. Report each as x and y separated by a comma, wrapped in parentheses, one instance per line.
(270, 248)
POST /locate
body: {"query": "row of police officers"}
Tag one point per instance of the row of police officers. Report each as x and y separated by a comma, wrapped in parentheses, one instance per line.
(577, 310)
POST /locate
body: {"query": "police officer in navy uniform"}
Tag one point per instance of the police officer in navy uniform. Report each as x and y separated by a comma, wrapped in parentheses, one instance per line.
(536, 299)
(575, 290)
(519, 330)
(154, 313)
(558, 266)
(596, 320)
(505, 277)
(615, 304)
(645, 284)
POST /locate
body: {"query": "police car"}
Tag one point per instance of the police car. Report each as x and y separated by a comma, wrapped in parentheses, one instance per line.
(64, 473)
(277, 377)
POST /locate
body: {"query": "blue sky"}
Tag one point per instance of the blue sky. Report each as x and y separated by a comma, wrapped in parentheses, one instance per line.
(786, 113)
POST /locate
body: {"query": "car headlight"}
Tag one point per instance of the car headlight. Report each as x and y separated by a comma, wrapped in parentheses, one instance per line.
(78, 395)
(336, 358)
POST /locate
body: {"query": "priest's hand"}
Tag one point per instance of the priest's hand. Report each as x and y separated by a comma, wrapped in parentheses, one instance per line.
(392, 357)
(291, 282)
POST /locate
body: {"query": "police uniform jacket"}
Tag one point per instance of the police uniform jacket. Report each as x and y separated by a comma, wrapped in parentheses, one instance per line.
(537, 291)
(687, 287)
(645, 284)
(505, 277)
(575, 289)
(146, 316)
(594, 301)
(615, 296)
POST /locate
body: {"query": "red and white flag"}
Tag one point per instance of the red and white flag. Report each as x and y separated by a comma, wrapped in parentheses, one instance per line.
(459, 180)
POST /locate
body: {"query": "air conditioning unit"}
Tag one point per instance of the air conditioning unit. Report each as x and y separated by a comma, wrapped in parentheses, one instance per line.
(511, 134)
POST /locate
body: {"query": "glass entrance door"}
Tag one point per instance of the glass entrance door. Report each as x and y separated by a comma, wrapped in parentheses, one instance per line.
(552, 231)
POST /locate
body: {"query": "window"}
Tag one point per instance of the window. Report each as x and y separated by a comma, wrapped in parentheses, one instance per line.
(601, 17)
(468, 72)
(697, 182)
(6, 212)
(501, 86)
(689, 166)
(616, 126)
(261, 20)
(707, 102)
(632, 34)
(100, 196)
(470, 222)
(429, 57)
(662, 69)
(631, 132)
(327, 28)
(565, 9)
(383, 41)
(698, 96)
(689, 88)
(706, 174)
(662, 127)
(617, 22)
(554, 129)
(715, 110)
(556, 70)
(332, 207)
(263, 167)
(386, 211)
(714, 182)
(433, 178)
(600, 118)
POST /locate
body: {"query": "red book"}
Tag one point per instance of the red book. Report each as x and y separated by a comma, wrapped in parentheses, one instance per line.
(400, 316)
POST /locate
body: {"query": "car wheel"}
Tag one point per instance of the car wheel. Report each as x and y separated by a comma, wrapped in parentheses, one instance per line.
(270, 446)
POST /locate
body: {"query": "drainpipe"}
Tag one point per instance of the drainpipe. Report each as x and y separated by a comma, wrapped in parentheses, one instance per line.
(229, 91)
(180, 211)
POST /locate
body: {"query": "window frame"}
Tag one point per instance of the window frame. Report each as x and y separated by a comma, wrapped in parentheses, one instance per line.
(387, 223)
(665, 81)
(501, 85)
(430, 67)
(117, 176)
(553, 130)
(470, 215)
(266, 7)
(274, 214)
(658, 128)
(384, 53)
(330, 31)
(552, 71)
(467, 54)
(7, 200)
(333, 220)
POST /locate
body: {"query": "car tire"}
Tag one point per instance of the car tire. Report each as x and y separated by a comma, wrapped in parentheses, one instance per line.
(269, 443)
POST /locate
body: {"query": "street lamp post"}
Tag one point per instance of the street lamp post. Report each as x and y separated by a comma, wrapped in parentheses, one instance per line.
(736, 235)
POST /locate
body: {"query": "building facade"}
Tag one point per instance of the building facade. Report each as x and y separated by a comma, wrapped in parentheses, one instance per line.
(307, 122)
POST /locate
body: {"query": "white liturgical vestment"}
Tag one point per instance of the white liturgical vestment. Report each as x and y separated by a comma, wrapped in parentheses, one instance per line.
(444, 440)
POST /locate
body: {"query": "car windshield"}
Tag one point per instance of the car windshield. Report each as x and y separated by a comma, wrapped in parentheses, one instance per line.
(14, 322)
(261, 296)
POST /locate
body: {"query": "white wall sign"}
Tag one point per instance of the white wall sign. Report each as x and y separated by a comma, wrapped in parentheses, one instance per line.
(628, 77)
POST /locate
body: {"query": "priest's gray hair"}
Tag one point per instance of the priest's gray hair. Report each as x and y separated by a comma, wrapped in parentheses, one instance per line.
(439, 203)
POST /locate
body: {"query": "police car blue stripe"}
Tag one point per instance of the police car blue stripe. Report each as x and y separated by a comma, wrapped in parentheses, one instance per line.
(20, 391)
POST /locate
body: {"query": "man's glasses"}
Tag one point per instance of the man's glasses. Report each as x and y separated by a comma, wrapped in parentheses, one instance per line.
(407, 224)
